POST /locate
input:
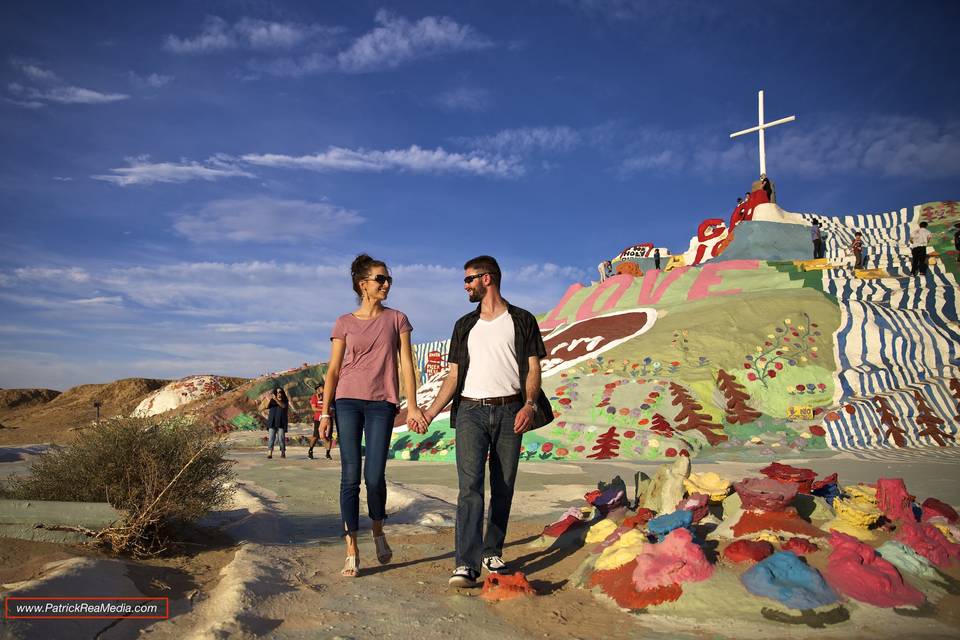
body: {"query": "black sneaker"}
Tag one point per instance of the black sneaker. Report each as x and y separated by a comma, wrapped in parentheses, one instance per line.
(464, 576)
(495, 564)
(310, 453)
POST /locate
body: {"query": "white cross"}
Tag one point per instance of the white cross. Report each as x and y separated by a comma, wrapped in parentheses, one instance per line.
(760, 127)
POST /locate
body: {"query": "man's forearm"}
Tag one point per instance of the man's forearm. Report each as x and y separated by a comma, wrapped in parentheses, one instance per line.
(445, 395)
(533, 381)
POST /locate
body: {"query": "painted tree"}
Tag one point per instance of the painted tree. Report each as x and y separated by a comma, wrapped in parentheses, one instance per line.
(955, 388)
(660, 425)
(607, 445)
(891, 422)
(738, 412)
(689, 420)
(931, 422)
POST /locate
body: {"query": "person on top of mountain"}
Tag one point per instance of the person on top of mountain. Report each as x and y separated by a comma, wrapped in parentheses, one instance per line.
(956, 239)
(856, 248)
(919, 240)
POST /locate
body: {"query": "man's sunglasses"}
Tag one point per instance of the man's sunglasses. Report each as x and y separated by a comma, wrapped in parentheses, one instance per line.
(470, 279)
(381, 279)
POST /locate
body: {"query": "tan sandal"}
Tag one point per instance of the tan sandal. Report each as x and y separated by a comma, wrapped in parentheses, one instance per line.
(384, 552)
(351, 568)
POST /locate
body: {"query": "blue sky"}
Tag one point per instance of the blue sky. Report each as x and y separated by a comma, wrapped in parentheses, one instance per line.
(183, 184)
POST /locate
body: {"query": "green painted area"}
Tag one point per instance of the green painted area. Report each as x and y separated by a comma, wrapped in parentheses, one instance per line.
(774, 338)
(245, 422)
(812, 279)
(298, 383)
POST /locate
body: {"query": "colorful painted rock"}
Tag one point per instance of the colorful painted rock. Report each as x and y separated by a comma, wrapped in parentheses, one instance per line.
(787, 579)
(785, 473)
(748, 551)
(764, 494)
(857, 571)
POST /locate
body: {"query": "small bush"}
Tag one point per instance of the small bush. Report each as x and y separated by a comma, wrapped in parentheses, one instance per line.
(160, 473)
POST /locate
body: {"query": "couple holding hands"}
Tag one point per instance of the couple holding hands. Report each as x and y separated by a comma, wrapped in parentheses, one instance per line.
(493, 383)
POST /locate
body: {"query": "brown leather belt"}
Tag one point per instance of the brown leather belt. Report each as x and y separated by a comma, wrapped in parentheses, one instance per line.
(496, 402)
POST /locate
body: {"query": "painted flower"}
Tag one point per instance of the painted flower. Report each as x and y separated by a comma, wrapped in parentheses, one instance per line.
(579, 448)
(561, 452)
(532, 447)
(772, 373)
(786, 321)
(547, 447)
(751, 376)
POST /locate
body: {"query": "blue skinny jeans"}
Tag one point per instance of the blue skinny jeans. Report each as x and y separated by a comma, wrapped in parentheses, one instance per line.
(372, 422)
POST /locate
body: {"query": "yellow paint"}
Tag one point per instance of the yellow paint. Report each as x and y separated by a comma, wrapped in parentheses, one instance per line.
(813, 265)
(625, 549)
(600, 531)
(870, 274)
(766, 536)
(799, 412)
(710, 483)
(945, 530)
(858, 506)
(841, 525)
(675, 261)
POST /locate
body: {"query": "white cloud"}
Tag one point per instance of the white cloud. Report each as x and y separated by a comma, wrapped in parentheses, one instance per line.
(265, 326)
(893, 146)
(247, 33)
(888, 146)
(54, 274)
(527, 139)
(75, 95)
(414, 159)
(52, 89)
(63, 178)
(216, 36)
(33, 70)
(465, 99)
(142, 171)
(98, 300)
(153, 80)
(241, 318)
(396, 40)
(264, 220)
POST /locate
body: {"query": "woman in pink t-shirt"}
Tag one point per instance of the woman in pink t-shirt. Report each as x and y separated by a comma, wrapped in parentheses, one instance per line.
(362, 384)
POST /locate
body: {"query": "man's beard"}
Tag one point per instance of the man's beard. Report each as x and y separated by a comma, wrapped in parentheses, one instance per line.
(476, 295)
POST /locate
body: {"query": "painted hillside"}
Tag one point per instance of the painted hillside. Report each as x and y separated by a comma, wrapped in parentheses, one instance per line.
(740, 347)
(745, 347)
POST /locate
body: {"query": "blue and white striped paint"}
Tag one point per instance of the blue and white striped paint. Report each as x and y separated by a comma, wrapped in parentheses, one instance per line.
(896, 334)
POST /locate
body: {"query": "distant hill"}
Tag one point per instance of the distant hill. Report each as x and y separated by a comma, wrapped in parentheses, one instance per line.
(52, 421)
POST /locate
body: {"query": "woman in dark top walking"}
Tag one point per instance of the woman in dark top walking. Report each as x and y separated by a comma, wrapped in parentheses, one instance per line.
(278, 407)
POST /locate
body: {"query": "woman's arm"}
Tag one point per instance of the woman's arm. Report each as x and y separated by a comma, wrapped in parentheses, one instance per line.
(330, 384)
(410, 383)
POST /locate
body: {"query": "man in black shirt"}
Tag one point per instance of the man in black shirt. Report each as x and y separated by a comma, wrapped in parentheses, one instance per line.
(494, 382)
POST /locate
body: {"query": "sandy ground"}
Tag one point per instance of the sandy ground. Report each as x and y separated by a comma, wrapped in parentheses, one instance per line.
(282, 578)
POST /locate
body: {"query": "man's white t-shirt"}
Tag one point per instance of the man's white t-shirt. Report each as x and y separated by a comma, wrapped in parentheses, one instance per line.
(920, 237)
(493, 370)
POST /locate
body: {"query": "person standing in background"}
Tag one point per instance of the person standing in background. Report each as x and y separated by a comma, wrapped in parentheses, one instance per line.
(316, 403)
(919, 240)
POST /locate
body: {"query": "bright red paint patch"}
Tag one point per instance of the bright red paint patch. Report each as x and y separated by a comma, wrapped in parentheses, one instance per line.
(755, 521)
(618, 584)
(748, 551)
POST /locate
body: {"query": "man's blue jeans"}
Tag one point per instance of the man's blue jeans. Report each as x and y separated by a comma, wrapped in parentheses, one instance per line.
(482, 430)
(371, 421)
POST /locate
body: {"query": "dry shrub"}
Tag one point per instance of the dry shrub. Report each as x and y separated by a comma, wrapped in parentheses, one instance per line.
(160, 473)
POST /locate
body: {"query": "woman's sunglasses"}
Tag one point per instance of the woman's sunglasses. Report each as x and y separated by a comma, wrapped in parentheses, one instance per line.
(381, 279)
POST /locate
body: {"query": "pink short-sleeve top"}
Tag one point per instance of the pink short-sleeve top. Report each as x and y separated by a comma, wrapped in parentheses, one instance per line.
(369, 369)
